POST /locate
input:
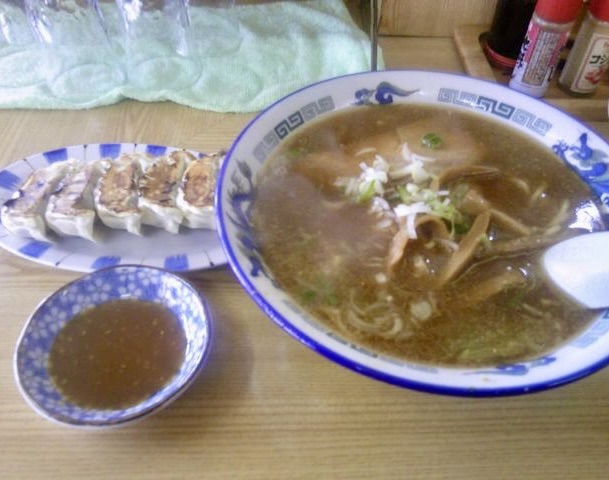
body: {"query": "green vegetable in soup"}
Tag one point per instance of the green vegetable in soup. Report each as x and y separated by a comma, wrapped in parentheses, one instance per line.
(431, 140)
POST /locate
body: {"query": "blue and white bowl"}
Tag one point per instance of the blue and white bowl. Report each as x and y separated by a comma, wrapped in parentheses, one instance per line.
(575, 143)
(119, 282)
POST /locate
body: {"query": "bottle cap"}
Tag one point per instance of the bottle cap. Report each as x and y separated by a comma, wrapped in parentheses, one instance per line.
(496, 59)
(600, 9)
(558, 11)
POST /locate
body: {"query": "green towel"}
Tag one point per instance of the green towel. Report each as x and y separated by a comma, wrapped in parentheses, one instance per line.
(283, 46)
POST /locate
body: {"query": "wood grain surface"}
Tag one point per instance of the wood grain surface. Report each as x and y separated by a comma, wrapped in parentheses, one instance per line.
(432, 18)
(267, 407)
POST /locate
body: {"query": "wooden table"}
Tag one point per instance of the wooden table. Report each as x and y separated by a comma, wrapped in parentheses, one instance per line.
(267, 407)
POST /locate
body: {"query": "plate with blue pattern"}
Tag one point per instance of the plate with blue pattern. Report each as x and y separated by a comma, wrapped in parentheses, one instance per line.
(190, 249)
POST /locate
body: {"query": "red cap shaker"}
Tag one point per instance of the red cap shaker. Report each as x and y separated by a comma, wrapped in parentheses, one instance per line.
(546, 36)
(558, 11)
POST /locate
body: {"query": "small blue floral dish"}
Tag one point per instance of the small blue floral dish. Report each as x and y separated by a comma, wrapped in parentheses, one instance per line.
(151, 286)
(247, 166)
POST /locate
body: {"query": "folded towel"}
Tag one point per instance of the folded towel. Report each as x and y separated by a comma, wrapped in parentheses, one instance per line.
(282, 46)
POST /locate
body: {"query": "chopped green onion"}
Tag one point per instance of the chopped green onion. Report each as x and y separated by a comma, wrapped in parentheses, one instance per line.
(295, 152)
(485, 241)
(367, 194)
(332, 300)
(460, 228)
(431, 140)
(403, 194)
(308, 296)
(321, 292)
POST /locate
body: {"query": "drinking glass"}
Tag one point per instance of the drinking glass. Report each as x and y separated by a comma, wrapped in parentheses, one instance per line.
(20, 55)
(80, 64)
(159, 52)
(215, 27)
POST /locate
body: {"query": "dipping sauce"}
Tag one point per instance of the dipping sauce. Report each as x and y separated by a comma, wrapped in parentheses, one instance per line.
(117, 353)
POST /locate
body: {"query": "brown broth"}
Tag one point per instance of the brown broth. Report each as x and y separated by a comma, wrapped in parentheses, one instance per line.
(324, 254)
(116, 354)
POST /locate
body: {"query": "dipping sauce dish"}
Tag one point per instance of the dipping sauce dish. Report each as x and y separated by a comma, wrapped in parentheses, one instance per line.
(112, 346)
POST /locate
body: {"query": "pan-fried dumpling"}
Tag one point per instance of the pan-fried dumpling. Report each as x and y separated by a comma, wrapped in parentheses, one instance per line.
(116, 195)
(158, 189)
(23, 214)
(197, 191)
(71, 210)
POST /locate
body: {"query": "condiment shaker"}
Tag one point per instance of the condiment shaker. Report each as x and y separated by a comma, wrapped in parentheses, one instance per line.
(546, 36)
(589, 57)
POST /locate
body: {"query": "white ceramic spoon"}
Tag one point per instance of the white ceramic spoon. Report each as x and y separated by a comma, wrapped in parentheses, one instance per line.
(580, 267)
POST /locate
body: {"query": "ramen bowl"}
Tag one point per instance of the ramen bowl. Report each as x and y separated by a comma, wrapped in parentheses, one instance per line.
(58, 312)
(575, 144)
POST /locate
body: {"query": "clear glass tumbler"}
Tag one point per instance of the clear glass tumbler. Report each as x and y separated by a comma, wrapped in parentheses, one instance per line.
(215, 27)
(158, 44)
(20, 53)
(80, 64)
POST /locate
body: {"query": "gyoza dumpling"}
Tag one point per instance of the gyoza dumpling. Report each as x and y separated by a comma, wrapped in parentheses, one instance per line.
(197, 191)
(158, 189)
(116, 195)
(23, 214)
(70, 210)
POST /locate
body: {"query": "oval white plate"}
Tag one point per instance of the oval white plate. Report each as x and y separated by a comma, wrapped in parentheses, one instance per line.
(191, 249)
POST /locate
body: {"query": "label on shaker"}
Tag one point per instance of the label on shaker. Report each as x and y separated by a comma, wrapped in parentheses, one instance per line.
(591, 71)
(537, 60)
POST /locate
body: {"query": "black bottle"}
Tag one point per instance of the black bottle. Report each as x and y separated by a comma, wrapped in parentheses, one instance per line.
(503, 41)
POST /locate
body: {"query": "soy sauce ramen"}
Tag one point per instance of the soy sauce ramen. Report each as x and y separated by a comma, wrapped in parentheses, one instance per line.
(416, 232)
(116, 354)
